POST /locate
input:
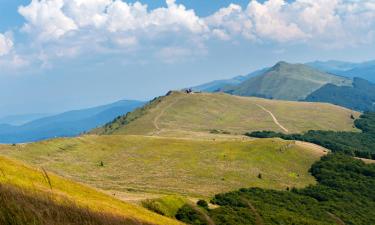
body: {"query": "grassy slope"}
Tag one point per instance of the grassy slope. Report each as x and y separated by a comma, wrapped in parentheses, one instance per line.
(287, 81)
(34, 181)
(196, 168)
(180, 114)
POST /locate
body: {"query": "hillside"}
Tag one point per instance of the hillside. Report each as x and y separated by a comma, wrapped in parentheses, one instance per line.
(360, 96)
(65, 124)
(138, 167)
(31, 196)
(286, 81)
(179, 114)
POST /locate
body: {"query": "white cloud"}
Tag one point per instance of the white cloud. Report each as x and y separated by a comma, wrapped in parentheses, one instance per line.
(272, 20)
(73, 27)
(54, 18)
(46, 19)
(6, 44)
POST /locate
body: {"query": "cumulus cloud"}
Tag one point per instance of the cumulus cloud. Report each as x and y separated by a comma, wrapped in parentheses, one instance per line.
(52, 19)
(46, 19)
(116, 24)
(343, 22)
(6, 44)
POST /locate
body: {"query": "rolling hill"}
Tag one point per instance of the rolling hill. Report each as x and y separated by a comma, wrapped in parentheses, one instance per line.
(35, 196)
(139, 167)
(181, 115)
(287, 82)
(66, 124)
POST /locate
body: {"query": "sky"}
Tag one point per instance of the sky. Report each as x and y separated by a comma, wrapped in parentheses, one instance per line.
(58, 55)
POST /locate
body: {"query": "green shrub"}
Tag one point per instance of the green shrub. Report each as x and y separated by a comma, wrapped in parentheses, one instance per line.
(203, 204)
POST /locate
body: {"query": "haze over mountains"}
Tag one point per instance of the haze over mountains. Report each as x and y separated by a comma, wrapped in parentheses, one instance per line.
(65, 124)
(365, 70)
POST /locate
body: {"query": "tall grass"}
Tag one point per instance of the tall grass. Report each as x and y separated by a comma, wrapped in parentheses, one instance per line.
(18, 207)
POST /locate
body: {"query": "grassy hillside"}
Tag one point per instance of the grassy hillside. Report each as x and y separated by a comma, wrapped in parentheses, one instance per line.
(180, 114)
(286, 81)
(130, 166)
(31, 196)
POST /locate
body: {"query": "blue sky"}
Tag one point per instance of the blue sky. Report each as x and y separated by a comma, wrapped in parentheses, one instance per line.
(57, 55)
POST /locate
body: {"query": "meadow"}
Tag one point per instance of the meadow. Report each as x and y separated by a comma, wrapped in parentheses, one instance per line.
(140, 167)
(181, 115)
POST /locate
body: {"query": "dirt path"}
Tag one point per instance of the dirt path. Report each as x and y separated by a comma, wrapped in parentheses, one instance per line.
(274, 118)
(367, 161)
(156, 119)
(338, 221)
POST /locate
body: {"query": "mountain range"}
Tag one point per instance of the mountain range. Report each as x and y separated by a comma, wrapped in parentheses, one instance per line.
(332, 82)
(364, 70)
(287, 82)
(66, 124)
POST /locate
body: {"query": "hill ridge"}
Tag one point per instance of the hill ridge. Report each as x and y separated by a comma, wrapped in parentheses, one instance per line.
(286, 81)
(178, 114)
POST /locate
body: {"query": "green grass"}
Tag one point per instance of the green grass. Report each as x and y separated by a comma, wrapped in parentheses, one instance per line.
(180, 114)
(23, 185)
(167, 205)
(190, 167)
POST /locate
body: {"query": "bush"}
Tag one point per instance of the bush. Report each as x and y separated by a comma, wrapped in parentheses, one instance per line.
(203, 204)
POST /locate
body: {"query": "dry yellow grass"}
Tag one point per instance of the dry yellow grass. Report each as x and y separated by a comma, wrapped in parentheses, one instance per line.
(61, 189)
(158, 165)
(182, 114)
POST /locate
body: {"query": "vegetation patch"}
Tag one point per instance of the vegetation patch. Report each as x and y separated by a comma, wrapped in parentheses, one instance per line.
(166, 206)
(345, 194)
(351, 143)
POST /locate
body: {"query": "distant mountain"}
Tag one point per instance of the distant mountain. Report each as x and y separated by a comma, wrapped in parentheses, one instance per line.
(360, 96)
(332, 66)
(219, 84)
(66, 124)
(17, 120)
(365, 70)
(287, 82)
